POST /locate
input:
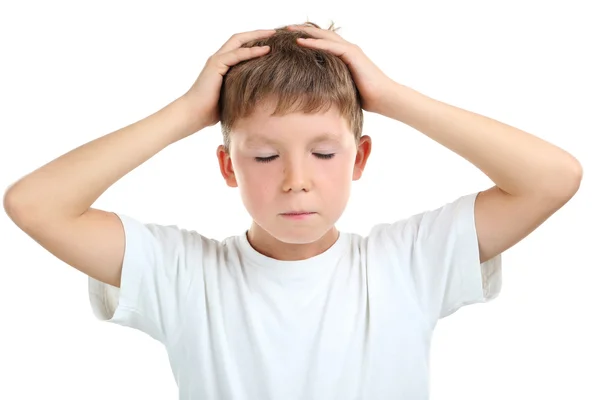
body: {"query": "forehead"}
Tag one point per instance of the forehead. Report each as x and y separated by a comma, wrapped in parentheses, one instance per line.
(261, 127)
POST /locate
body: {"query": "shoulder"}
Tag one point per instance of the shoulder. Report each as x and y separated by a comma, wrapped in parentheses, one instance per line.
(433, 225)
(158, 258)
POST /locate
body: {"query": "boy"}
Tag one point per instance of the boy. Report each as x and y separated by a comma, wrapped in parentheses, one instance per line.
(293, 308)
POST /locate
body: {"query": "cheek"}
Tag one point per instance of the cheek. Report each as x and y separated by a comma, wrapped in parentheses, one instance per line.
(338, 170)
(257, 175)
(256, 181)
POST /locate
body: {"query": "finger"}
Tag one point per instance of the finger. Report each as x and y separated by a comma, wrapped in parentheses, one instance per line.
(237, 40)
(340, 49)
(227, 60)
(317, 33)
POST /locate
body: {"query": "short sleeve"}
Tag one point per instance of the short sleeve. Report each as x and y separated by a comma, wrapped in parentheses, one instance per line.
(440, 253)
(158, 271)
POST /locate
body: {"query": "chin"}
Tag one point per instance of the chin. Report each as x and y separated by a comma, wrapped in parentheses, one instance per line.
(299, 235)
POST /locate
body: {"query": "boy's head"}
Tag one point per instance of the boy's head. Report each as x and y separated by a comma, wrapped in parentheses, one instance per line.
(292, 133)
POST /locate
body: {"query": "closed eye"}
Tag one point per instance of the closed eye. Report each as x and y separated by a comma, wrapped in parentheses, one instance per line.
(271, 158)
(265, 159)
(324, 156)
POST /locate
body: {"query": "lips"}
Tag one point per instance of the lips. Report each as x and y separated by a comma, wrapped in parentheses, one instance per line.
(298, 213)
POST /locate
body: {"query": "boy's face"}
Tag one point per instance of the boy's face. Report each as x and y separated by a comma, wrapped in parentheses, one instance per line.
(294, 163)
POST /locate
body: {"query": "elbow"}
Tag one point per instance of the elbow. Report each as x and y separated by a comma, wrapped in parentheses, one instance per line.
(15, 206)
(10, 204)
(566, 184)
(575, 178)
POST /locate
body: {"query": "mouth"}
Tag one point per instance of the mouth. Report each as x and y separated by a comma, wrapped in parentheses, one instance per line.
(297, 214)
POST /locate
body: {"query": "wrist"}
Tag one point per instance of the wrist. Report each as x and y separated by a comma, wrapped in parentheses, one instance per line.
(193, 119)
(402, 103)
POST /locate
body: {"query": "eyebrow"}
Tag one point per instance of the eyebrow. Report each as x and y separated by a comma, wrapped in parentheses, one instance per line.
(323, 137)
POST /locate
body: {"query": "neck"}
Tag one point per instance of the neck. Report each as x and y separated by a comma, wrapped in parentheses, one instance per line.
(266, 244)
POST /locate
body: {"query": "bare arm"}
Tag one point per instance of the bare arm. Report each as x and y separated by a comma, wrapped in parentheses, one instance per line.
(70, 184)
(533, 178)
(52, 204)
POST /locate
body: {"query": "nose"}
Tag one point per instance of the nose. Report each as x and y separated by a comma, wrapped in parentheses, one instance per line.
(296, 176)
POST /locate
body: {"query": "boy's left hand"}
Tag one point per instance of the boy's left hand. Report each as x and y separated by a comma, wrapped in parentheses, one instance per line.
(374, 86)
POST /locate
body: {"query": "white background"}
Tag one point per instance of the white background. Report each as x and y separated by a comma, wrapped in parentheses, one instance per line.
(73, 71)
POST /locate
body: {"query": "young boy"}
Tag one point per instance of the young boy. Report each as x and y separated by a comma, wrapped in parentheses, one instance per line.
(292, 308)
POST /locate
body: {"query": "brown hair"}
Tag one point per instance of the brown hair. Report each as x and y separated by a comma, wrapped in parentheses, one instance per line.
(298, 78)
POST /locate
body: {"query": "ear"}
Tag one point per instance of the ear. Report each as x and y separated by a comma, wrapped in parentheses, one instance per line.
(226, 166)
(362, 154)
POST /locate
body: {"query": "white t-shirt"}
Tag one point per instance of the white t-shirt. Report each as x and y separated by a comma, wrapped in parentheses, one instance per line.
(354, 322)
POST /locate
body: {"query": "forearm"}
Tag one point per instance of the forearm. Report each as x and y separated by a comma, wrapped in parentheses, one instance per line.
(517, 162)
(70, 184)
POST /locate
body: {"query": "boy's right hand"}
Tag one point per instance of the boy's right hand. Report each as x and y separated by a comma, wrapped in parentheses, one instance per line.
(203, 96)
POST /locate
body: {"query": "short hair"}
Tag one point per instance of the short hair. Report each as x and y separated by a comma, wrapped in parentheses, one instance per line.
(297, 78)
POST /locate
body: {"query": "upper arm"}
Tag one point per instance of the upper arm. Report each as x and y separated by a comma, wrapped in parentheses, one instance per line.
(437, 253)
(502, 219)
(93, 243)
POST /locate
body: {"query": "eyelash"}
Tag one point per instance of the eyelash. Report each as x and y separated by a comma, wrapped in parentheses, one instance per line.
(271, 158)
